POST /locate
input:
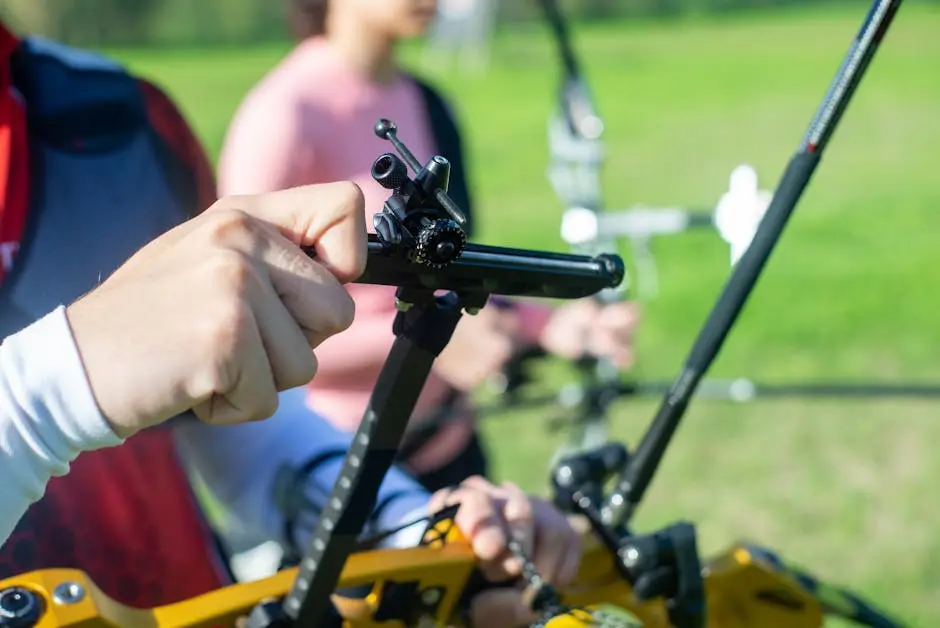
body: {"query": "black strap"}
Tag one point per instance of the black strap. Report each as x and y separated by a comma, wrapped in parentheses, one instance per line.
(450, 145)
(415, 439)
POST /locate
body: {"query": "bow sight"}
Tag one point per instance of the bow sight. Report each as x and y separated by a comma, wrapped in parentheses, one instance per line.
(421, 248)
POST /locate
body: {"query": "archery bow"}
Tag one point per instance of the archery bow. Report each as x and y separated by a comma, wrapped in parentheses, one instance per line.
(639, 470)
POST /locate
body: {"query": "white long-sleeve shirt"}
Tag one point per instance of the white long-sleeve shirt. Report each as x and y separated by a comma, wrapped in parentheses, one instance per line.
(48, 416)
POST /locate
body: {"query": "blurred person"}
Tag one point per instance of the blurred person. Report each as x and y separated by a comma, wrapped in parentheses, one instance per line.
(310, 119)
(461, 32)
(101, 178)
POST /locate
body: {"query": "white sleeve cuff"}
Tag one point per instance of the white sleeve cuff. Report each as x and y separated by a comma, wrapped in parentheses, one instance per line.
(409, 536)
(48, 414)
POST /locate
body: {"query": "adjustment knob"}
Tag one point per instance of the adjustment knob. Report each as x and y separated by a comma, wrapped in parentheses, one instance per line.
(390, 171)
(439, 244)
(384, 128)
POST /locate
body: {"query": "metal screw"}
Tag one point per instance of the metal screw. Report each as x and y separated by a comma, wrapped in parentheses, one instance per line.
(17, 603)
(630, 556)
(68, 593)
(430, 597)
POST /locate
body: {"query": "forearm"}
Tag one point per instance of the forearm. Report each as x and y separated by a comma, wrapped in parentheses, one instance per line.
(48, 414)
(240, 464)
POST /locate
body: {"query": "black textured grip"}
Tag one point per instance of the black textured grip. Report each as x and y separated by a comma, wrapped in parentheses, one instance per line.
(389, 171)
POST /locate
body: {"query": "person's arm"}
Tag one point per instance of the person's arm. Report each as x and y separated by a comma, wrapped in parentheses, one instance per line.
(48, 415)
(239, 465)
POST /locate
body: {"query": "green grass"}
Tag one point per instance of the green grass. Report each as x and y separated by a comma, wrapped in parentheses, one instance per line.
(844, 487)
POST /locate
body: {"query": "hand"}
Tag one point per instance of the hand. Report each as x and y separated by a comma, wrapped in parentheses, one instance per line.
(585, 326)
(487, 516)
(480, 347)
(220, 313)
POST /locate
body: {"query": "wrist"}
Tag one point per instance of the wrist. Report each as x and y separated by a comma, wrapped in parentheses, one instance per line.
(75, 317)
(44, 369)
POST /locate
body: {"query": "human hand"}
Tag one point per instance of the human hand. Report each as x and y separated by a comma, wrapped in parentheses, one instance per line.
(220, 313)
(585, 326)
(480, 347)
(489, 516)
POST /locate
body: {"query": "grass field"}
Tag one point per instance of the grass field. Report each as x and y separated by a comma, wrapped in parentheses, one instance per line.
(851, 292)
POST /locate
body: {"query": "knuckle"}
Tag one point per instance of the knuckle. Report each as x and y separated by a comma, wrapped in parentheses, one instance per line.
(489, 552)
(350, 196)
(302, 371)
(519, 510)
(477, 482)
(340, 313)
(346, 311)
(227, 322)
(226, 223)
(231, 271)
(267, 405)
(512, 487)
(229, 319)
(308, 369)
(475, 509)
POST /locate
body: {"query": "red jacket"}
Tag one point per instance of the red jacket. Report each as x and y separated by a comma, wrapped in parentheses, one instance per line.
(126, 515)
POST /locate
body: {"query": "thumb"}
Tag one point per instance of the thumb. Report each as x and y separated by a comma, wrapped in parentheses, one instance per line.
(329, 217)
(500, 607)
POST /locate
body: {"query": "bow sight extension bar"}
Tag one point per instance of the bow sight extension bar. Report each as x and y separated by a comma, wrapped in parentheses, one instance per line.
(639, 470)
(420, 247)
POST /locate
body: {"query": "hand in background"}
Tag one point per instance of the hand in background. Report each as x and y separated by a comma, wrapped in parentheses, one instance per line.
(489, 516)
(587, 327)
(480, 347)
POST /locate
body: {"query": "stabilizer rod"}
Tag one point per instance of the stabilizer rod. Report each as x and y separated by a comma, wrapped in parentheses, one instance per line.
(638, 473)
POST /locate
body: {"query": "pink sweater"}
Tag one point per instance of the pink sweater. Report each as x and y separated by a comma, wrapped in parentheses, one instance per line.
(310, 120)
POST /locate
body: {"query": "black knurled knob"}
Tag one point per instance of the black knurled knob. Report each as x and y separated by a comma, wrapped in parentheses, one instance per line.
(440, 243)
(390, 171)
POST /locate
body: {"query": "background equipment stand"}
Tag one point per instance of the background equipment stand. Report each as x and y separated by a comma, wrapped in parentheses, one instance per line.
(576, 160)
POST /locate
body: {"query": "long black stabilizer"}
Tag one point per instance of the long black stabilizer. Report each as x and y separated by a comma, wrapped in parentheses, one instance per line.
(639, 471)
